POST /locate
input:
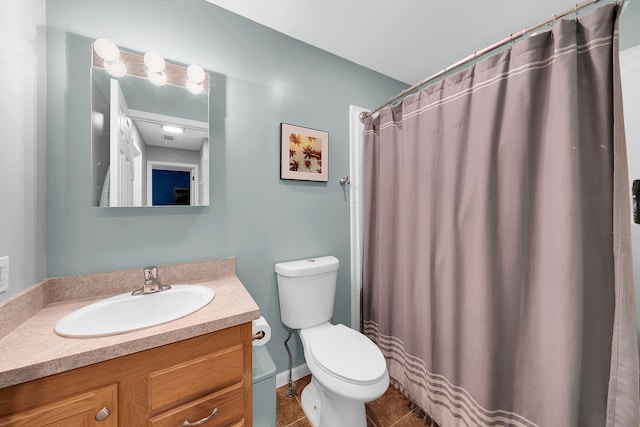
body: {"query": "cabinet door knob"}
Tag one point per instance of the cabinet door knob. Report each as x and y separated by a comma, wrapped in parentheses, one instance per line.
(202, 421)
(103, 414)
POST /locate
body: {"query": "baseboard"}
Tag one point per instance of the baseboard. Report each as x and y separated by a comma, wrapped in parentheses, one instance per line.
(297, 372)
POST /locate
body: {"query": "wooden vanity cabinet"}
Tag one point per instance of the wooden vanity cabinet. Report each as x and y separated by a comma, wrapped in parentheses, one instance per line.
(160, 387)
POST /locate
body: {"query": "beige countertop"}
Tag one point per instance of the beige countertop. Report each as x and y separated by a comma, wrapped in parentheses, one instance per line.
(33, 350)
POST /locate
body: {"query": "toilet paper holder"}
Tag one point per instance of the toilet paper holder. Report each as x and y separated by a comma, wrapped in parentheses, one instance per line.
(260, 331)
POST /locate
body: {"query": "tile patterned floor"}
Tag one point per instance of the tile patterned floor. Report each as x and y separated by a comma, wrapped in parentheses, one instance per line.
(390, 410)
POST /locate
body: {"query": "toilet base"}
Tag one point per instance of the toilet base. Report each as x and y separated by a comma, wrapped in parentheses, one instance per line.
(326, 410)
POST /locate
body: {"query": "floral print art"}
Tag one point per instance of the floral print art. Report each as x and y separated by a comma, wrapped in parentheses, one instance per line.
(305, 153)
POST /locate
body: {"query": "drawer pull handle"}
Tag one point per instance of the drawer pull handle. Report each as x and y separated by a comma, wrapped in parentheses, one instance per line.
(102, 414)
(202, 421)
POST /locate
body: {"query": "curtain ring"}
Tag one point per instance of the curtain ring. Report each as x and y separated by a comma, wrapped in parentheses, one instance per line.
(575, 10)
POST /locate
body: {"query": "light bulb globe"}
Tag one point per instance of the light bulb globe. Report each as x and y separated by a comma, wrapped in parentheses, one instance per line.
(194, 88)
(115, 68)
(154, 62)
(107, 50)
(195, 73)
(158, 79)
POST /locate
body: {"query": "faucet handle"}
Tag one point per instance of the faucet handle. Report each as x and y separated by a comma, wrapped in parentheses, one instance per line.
(151, 284)
(151, 273)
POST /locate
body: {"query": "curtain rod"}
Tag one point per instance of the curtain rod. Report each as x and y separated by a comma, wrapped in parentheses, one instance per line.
(478, 54)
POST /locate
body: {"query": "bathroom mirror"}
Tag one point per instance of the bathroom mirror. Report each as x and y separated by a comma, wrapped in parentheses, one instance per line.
(150, 142)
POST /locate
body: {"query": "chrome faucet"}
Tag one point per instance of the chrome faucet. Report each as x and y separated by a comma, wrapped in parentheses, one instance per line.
(151, 284)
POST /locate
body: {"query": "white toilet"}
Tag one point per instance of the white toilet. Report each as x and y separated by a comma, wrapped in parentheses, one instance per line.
(347, 368)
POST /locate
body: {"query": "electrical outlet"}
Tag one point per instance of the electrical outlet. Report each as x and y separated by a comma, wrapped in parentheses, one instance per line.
(4, 274)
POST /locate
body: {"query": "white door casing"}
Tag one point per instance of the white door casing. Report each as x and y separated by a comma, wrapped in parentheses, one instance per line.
(121, 150)
(174, 166)
(356, 154)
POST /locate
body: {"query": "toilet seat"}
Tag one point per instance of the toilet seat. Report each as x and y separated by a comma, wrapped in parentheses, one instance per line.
(347, 354)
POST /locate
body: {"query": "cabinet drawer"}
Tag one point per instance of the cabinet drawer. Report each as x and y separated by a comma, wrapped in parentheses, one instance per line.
(229, 402)
(182, 382)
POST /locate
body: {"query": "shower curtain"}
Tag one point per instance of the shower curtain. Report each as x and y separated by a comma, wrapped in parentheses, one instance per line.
(497, 272)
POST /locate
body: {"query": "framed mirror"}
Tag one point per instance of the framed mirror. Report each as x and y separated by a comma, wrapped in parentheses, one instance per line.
(150, 132)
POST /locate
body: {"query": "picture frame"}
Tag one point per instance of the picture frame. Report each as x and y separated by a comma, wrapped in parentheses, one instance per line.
(304, 153)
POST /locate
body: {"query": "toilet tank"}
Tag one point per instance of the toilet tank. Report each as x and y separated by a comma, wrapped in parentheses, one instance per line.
(307, 290)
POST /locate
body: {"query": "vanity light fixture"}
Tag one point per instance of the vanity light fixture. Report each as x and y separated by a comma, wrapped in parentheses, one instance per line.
(110, 54)
(195, 77)
(152, 66)
(172, 129)
(155, 68)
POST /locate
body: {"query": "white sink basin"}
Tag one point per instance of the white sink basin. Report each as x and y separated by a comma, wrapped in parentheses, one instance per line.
(126, 312)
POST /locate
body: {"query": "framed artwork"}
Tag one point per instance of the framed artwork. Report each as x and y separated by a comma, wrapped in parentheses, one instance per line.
(304, 153)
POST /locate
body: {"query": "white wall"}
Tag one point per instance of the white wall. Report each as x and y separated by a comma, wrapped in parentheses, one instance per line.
(630, 70)
(22, 148)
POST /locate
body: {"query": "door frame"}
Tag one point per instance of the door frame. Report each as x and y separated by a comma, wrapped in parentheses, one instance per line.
(174, 166)
(356, 154)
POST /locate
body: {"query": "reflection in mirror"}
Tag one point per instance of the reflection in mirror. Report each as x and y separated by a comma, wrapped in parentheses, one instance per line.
(150, 133)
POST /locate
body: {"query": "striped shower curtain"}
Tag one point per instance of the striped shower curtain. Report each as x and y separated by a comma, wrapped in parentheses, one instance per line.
(497, 272)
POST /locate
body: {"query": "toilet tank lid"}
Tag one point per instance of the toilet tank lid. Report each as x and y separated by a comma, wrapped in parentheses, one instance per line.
(308, 267)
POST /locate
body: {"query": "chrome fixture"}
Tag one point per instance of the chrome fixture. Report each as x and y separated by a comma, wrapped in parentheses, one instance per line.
(102, 414)
(202, 421)
(291, 390)
(151, 284)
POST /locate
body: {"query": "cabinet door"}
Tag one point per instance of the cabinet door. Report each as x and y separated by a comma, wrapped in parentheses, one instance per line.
(75, 411)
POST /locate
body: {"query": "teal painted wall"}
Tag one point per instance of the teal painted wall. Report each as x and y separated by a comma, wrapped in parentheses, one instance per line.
(259, 78)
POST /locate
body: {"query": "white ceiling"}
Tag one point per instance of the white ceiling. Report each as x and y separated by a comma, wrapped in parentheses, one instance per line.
(408, 40)
(189, 139)
(150, 126)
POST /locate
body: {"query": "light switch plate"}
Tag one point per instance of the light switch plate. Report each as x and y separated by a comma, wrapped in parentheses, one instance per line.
(4, 274)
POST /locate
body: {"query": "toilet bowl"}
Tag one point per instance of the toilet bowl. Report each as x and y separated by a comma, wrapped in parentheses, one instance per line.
(347, 368)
